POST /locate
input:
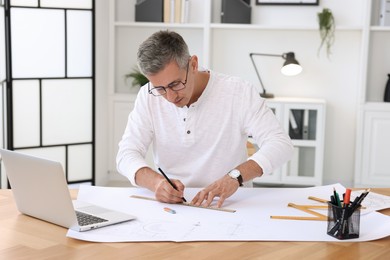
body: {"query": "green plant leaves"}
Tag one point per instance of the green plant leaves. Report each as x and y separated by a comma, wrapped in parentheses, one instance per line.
(139, 79)
(326, 24)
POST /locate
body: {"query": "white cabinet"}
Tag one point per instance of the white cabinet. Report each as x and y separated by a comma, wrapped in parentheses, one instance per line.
(372, 164)
(118, 113)
(304, 120)
(376, 145)
(119, 110)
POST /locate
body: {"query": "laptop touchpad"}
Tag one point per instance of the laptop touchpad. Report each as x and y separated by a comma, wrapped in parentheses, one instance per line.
(93, 210)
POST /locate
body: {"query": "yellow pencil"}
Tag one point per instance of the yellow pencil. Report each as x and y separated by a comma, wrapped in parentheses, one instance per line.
(297, 218)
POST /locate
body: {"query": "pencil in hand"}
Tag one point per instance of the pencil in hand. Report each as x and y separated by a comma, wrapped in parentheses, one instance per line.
(170, 182)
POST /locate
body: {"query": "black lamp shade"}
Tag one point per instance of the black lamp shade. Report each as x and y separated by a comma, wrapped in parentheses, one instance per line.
(290, 67)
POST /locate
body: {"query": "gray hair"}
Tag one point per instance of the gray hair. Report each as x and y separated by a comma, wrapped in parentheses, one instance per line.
(159, 50)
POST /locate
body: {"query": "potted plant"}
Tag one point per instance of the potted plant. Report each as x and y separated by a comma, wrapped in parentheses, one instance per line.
(326, 24)
(138, 79)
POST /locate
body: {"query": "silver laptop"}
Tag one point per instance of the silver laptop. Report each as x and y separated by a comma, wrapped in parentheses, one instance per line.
(40, 190)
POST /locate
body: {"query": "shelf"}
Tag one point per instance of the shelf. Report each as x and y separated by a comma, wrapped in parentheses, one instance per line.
(154, 25)
(297, 100)
(230, 26)
(123, 96)
(304, 143)
(377, 106)
(260, 27)
(380, 28)
(278, 28)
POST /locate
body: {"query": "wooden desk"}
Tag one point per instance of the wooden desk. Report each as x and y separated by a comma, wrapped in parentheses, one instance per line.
(25, 237)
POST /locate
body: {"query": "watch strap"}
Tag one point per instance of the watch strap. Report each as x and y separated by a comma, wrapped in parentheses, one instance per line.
(240, 180)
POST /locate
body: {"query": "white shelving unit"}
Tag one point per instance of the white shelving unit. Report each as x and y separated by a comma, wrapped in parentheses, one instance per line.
(373, 126)
(304, 120)
(205, 35)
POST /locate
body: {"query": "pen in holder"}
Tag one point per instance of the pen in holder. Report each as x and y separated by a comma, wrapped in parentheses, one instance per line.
(343, 222)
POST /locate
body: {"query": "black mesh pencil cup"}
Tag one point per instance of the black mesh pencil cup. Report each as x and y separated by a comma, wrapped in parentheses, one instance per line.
(343, 222)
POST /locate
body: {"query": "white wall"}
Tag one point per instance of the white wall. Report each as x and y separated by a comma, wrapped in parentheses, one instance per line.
(101, 71)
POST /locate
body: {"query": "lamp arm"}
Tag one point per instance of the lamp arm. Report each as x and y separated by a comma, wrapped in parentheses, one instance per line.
(257, 73)
(254, 65)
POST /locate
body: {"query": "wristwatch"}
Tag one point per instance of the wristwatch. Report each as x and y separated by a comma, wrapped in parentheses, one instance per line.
(236, 174)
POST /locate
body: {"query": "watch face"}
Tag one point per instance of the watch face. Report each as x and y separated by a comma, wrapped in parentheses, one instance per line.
(234, 173)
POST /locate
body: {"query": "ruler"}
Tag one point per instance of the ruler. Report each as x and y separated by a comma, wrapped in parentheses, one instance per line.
(186, 204)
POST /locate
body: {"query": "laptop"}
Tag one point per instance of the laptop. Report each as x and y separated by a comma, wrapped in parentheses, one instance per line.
(40, 190)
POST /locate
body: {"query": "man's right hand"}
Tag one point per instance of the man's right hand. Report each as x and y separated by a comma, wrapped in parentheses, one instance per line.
(164, 191)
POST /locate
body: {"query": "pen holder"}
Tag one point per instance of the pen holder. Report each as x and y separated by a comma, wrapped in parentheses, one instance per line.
(343, 222)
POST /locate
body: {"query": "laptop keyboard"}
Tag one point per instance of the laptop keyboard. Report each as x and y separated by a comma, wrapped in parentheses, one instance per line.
(85, 219)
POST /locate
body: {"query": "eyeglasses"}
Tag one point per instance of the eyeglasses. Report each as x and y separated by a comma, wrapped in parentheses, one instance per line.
(175, 86)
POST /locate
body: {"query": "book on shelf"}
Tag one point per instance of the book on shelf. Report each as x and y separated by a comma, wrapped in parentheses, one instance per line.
(167, 11)
(295, 128)
(293, 123)
(185, 9)
(176, 11)
(294, 163)
(302, 124)
(238, 11)
(305, 126)
(149, 11)
(384, 16)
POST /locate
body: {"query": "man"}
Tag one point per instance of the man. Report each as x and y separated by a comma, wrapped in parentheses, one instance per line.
(198, 122)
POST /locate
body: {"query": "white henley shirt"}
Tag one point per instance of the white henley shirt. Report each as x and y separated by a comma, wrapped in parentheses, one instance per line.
(200, 143)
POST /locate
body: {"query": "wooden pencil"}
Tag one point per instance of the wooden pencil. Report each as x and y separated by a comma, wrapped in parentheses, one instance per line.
(297, 218)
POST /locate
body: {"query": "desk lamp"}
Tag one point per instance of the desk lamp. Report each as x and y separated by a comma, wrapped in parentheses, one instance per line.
(290, 67)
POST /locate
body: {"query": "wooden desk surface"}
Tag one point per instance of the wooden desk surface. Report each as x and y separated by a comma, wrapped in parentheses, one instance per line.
(28, 238)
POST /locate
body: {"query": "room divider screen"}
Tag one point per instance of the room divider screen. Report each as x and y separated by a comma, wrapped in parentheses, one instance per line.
(49, 87)
(3, 179)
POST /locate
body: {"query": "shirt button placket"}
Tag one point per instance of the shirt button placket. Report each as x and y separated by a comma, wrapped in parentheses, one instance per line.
(189, 121)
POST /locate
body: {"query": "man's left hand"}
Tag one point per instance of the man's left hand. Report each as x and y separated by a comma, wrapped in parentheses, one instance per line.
(222, 188)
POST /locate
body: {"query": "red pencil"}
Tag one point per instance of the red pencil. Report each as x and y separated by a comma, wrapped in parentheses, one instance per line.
(347, 197)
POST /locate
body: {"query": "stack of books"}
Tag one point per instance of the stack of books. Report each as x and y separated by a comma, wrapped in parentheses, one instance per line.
(176, 11)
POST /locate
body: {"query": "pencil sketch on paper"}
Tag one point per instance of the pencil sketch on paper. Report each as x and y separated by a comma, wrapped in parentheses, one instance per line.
(373, 201)
(219, 231)
(145, 230)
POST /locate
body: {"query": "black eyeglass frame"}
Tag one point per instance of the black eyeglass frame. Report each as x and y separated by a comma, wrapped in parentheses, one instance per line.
(174, 86)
